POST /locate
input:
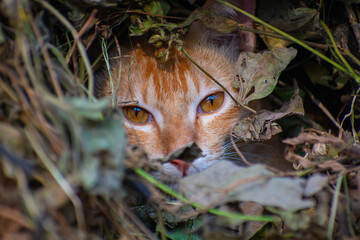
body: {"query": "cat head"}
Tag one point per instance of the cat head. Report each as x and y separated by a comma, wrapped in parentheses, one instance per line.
(168, 105)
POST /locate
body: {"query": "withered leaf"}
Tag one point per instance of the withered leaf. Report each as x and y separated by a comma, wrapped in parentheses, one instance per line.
(261, 126)
(314, 184)
(295, 19)
(225, 182)
(257, 73)
(211, 20)
(333, 165)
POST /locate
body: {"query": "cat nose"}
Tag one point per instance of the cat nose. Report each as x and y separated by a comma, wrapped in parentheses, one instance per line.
(177, 137)
(181, 165)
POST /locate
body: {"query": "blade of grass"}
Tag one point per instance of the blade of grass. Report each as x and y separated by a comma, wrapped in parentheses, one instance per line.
(218, 212)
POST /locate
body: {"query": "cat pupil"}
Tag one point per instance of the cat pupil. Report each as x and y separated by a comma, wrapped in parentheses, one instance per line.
(137, 110)
(211, 98)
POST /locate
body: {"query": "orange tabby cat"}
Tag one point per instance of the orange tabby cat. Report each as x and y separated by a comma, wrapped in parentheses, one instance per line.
(168, 105)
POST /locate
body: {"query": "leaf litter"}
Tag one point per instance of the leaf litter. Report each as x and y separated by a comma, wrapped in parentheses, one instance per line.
(66, 171)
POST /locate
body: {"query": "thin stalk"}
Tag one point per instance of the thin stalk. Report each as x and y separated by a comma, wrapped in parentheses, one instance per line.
(351, 114)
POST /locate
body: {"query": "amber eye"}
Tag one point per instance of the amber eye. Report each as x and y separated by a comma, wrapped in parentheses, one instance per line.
(212, 102)
(136, 114)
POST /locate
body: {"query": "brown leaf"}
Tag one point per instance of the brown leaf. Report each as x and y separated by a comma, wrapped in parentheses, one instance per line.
(262, 126)
(225, 182)
(333, 165)
(211, 20)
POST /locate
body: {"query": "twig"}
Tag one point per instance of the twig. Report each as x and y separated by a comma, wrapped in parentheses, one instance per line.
(322, 108)
(351, 113)
(238, 151)
(6, 88)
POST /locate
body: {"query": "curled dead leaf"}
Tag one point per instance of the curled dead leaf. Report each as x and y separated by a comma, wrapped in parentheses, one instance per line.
(261, 126)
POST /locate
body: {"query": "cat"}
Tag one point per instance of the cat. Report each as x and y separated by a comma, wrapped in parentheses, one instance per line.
(168, 105)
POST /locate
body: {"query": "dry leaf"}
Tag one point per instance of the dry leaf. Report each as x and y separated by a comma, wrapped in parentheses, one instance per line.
(262, 126)
(225, 182)
(257, 73)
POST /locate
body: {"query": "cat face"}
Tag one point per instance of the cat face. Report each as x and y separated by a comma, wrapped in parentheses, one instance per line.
(168, 105)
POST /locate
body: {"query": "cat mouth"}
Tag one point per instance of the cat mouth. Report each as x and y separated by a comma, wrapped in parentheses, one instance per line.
(181, 165)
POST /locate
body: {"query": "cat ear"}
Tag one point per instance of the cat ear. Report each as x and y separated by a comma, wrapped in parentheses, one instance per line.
(238, 40)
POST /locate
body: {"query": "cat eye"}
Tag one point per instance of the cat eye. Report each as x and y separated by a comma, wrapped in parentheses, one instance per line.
(211, 102)
(136, 114)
